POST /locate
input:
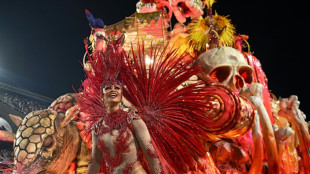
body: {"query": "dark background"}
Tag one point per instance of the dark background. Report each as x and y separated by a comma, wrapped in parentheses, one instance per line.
(41, 42)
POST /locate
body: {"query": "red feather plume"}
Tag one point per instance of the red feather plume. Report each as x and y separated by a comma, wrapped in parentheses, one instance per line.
(178, 120)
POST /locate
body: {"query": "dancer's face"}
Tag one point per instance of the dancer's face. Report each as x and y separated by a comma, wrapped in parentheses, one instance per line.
(112, 93)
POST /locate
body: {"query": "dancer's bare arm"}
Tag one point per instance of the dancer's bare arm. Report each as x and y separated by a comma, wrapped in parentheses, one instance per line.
(144, 139)
(96, 156)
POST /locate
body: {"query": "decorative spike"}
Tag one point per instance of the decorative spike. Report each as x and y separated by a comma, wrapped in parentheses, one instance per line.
(209, 3)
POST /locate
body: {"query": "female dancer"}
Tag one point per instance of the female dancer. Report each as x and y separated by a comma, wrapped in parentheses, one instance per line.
(121, 142)
(114, 141)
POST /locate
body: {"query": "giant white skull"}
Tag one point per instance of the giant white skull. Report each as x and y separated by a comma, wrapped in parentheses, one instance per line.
(226, 66)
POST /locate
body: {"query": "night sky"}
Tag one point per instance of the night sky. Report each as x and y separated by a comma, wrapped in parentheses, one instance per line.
(41, 42)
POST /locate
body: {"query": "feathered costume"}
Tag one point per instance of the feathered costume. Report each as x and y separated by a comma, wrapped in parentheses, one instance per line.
(104, 69)
(180, 121)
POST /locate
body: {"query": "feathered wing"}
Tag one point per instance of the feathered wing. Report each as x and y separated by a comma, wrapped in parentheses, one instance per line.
(178, 120)
(89, 100)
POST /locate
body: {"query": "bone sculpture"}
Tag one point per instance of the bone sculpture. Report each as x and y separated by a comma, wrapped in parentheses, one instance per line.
(285, 137)
(289, 109)
(227, 66)
(258, 154)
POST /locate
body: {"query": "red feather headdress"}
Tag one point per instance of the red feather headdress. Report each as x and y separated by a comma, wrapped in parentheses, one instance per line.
(103, 67)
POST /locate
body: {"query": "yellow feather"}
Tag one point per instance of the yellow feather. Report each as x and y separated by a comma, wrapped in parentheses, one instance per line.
(198, 37)
(91, 38)
(225, 30)
(209, 3)
(179, 43)
(199, 33)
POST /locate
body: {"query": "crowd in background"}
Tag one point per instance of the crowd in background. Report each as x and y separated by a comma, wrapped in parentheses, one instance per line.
(22, 104)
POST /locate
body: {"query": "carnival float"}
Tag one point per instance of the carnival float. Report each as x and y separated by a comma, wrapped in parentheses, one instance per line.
(201, 92)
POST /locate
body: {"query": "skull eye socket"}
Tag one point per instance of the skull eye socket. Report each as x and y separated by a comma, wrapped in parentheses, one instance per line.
(220, 73)
(246, 73)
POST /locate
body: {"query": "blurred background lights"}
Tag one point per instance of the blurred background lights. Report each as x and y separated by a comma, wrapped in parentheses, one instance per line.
(148, 60)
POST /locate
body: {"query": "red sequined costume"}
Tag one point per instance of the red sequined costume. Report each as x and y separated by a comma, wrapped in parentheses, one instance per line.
(121, 122)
